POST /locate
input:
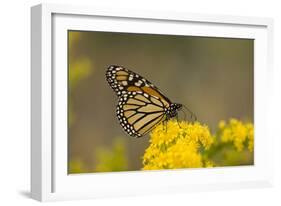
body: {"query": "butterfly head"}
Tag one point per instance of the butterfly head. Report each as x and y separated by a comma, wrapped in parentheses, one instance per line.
(173, 109)
(177, 106)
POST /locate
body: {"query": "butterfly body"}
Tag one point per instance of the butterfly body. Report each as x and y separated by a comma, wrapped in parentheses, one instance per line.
(141, 105)
(172, 110)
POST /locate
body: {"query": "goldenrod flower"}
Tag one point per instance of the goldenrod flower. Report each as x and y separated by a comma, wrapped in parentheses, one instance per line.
(209, 163)
(76, 166)
(177, 146)
(112, 159)
(238, 133)
(250, 129)
(221, 124)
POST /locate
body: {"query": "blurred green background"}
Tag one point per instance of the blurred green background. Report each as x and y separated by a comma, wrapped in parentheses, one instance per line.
(213, 77)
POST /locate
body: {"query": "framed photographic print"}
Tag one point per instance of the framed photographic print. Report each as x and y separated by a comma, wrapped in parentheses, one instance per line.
(138, 102)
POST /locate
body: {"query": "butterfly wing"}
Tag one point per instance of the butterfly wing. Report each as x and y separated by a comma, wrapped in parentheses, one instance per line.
(141, 105)
(139, 112)
(123, 80)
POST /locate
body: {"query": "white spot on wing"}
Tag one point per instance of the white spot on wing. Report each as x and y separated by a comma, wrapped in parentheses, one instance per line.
(137, 84)
(125, 83)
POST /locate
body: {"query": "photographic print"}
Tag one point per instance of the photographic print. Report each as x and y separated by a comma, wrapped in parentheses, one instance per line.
(141, 102)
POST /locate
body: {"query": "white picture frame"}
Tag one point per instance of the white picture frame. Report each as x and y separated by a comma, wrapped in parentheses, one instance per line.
(49, 178)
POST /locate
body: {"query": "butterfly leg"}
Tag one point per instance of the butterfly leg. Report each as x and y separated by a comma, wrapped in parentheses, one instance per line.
(178, 121)
(164, 123)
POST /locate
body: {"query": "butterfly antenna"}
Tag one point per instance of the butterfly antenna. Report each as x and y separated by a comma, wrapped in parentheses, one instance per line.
(184, 115)
(192, 115)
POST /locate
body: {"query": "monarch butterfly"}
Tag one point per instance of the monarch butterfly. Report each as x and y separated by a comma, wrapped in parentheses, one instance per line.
(141, 105)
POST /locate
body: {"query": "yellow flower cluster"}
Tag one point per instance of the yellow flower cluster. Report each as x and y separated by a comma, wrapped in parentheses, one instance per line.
(177, 146)
(238, 133)
(79, 69)
(112, 159)
(75, 166)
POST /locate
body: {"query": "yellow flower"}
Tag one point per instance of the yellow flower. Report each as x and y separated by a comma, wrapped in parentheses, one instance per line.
(250, 129)
(209, 163)
(177, 146)
(221, 124)
(79, 69)
(112, 159)
(238, 133)
(73, 37)
(75, 166)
